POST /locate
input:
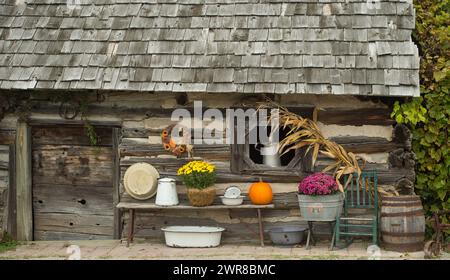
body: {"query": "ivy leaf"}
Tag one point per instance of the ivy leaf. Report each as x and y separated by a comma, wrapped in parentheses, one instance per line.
(440, 75)
(442, 194)
(434, 208)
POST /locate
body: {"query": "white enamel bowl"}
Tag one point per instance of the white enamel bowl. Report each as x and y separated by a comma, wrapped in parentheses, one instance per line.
(232, 201)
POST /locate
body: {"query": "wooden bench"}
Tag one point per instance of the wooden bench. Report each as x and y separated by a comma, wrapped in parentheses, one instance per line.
(132, 207)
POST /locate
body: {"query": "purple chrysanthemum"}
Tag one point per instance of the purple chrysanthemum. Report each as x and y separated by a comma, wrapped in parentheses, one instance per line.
(318, 184)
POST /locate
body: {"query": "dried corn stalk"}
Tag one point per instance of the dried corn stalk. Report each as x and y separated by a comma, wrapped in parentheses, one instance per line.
(304, 132)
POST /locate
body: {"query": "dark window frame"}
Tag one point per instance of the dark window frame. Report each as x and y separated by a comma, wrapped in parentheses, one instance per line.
(300, 165)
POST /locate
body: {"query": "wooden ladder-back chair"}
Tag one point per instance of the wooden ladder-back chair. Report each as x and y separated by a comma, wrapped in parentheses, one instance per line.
(360, 213)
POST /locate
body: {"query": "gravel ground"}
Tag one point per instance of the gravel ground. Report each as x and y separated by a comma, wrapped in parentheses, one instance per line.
(116, 249)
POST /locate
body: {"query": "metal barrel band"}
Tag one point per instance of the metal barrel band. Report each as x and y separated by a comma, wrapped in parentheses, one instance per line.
(403, 214)
(403, 234)
(400, 198)
(418, 204)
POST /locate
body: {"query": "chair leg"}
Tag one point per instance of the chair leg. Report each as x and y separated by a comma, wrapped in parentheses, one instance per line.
(348, 239)
(337, 232)
(375, 233)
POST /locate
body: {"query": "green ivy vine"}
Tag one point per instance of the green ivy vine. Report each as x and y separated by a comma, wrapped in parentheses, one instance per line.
(89, 128)
(428, 116)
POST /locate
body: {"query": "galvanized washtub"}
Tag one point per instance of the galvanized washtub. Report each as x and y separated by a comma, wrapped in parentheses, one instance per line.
(192, 236)
(320, 207)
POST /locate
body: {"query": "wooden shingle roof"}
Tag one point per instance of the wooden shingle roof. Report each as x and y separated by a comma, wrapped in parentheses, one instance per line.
(358, 47)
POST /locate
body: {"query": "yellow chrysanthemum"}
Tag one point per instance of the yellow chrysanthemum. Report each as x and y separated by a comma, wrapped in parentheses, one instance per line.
(196, 166)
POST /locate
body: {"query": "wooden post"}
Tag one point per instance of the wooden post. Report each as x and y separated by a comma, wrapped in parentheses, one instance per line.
(130, 227)
(23, 183)
(261, 229)
(116, 182)
(11, 226)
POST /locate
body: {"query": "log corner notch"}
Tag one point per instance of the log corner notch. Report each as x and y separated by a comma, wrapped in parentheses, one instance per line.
(403, 158)
(23, 183)
(402, 135)
(10, 102)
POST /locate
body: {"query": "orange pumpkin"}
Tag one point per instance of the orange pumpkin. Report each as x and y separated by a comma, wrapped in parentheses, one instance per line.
(260, 193)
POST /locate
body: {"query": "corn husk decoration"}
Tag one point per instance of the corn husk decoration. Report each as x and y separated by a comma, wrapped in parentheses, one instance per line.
(304, 132)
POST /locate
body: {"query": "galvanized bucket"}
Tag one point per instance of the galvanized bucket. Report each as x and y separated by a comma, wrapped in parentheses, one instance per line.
(320, 207)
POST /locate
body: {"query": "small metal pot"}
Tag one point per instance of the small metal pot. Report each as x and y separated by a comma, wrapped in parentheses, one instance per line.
(287, 235)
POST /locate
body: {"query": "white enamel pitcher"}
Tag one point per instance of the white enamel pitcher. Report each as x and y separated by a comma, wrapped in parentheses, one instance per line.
(166, 194)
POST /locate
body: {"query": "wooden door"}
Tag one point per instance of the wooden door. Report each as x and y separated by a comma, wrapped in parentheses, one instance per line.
(72, 184)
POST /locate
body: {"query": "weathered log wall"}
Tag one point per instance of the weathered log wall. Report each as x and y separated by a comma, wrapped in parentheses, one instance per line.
(363, 127)
(8, 126)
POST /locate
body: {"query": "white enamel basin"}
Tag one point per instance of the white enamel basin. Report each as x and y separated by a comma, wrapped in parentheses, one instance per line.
(192, 236)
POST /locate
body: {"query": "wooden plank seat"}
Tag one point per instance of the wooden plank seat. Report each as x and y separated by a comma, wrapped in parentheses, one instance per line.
(132, 207)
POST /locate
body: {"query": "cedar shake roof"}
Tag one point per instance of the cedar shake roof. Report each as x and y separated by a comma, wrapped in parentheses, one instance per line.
(357, 47)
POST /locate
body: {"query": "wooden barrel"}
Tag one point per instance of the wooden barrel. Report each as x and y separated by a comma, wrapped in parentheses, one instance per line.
(402, 223)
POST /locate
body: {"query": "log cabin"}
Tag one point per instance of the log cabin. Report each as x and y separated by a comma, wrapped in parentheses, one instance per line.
(112, 72)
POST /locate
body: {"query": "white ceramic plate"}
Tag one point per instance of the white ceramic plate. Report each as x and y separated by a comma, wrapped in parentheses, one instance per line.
(232, 192)
(141, 181)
